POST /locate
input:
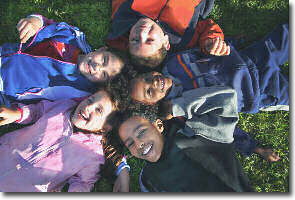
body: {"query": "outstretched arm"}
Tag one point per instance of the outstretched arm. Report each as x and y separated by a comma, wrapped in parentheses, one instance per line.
(209, 111)
(9, 115)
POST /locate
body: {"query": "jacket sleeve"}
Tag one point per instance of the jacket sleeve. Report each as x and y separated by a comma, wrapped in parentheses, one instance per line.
(204, 30)
(210, 112)
(84, 180)
(33, 112)
(45, 21)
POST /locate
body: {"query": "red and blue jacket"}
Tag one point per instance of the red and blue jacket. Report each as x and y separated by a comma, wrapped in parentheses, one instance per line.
(45, 66)
(184, 21)
(254, 72)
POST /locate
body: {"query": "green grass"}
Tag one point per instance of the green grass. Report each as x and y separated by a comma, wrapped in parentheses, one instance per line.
(251, 18)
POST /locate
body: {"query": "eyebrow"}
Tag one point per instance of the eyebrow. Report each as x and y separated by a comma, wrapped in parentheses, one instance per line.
(134, 130)
(137, 127)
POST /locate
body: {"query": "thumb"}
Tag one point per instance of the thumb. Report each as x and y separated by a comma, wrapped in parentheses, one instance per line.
(4, 121)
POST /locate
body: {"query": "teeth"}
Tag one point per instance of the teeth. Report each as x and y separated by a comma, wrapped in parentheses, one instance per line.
(147, 150)
(83, 115)
(162, 84)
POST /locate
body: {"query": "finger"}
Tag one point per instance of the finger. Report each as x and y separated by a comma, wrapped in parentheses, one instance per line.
(223, 49)
(227, 51)
(23, 32)
(215, 46)
(27, 36)
(2, 112)
(4, 122)
(274, 157)
(219, 48)
(20, 25)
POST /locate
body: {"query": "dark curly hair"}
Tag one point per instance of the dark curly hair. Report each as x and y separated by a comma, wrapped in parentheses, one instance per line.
(120, 86)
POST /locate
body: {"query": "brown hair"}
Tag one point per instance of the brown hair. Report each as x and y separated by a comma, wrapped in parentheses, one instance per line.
(150, 61)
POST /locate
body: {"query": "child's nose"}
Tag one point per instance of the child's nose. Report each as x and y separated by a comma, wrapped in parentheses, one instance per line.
(143, 35)
(155, 83)
(140, 144)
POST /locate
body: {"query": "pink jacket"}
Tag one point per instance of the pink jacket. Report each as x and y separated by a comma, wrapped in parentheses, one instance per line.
(44, 156)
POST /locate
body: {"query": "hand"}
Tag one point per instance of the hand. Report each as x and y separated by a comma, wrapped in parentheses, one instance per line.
(122, 181)
(8, 115)
(28, 27)
(217, 47)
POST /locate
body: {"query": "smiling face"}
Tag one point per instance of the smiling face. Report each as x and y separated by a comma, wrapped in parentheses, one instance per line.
(143, 139)
(91, 113)
(149, 88)
(100, 66)
(146, 38)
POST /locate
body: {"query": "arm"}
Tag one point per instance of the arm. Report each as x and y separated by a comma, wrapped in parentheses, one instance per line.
(210, 38)
(210, 112)
(118, 163)
(84, 180)
(25, 114)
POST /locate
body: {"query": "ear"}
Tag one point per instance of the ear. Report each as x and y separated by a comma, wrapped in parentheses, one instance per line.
(159, 125)
(106, 128)
(166, 42)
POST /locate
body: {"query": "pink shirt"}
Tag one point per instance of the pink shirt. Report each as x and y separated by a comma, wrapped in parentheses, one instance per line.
(44, 156)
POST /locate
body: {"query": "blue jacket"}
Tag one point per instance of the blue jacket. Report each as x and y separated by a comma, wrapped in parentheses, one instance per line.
(39, 77)
(253, 72)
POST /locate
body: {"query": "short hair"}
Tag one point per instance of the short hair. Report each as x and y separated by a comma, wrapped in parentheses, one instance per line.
(151, 61)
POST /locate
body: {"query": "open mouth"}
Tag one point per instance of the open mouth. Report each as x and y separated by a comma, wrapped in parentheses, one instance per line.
(147, 149)
(161, 82)
(83, 115)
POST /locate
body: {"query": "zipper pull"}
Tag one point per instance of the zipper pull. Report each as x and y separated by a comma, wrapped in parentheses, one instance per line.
(20, 48)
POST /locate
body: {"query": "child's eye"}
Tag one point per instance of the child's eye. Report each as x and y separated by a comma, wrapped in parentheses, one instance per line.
(149, 40)
(99, 109)
(141, 133)
(105, 75)
(105, 61)
(149, 92)
(130, 144)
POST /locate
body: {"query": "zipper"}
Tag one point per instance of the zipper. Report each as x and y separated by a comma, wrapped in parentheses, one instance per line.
(162, 9)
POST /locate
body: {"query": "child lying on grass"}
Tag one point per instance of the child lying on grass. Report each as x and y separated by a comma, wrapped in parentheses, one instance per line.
(63, 145)
(252, 72)
(151, 29)
(55, 63)
(181, 161)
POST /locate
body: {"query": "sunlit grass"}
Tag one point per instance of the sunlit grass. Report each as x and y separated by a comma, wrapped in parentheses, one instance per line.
(251, 18)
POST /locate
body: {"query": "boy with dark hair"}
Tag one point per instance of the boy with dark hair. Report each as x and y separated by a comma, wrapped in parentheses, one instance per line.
(180, 162)
(252, 72)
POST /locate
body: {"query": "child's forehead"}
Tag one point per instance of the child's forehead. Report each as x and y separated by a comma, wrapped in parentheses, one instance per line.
(100, 94)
